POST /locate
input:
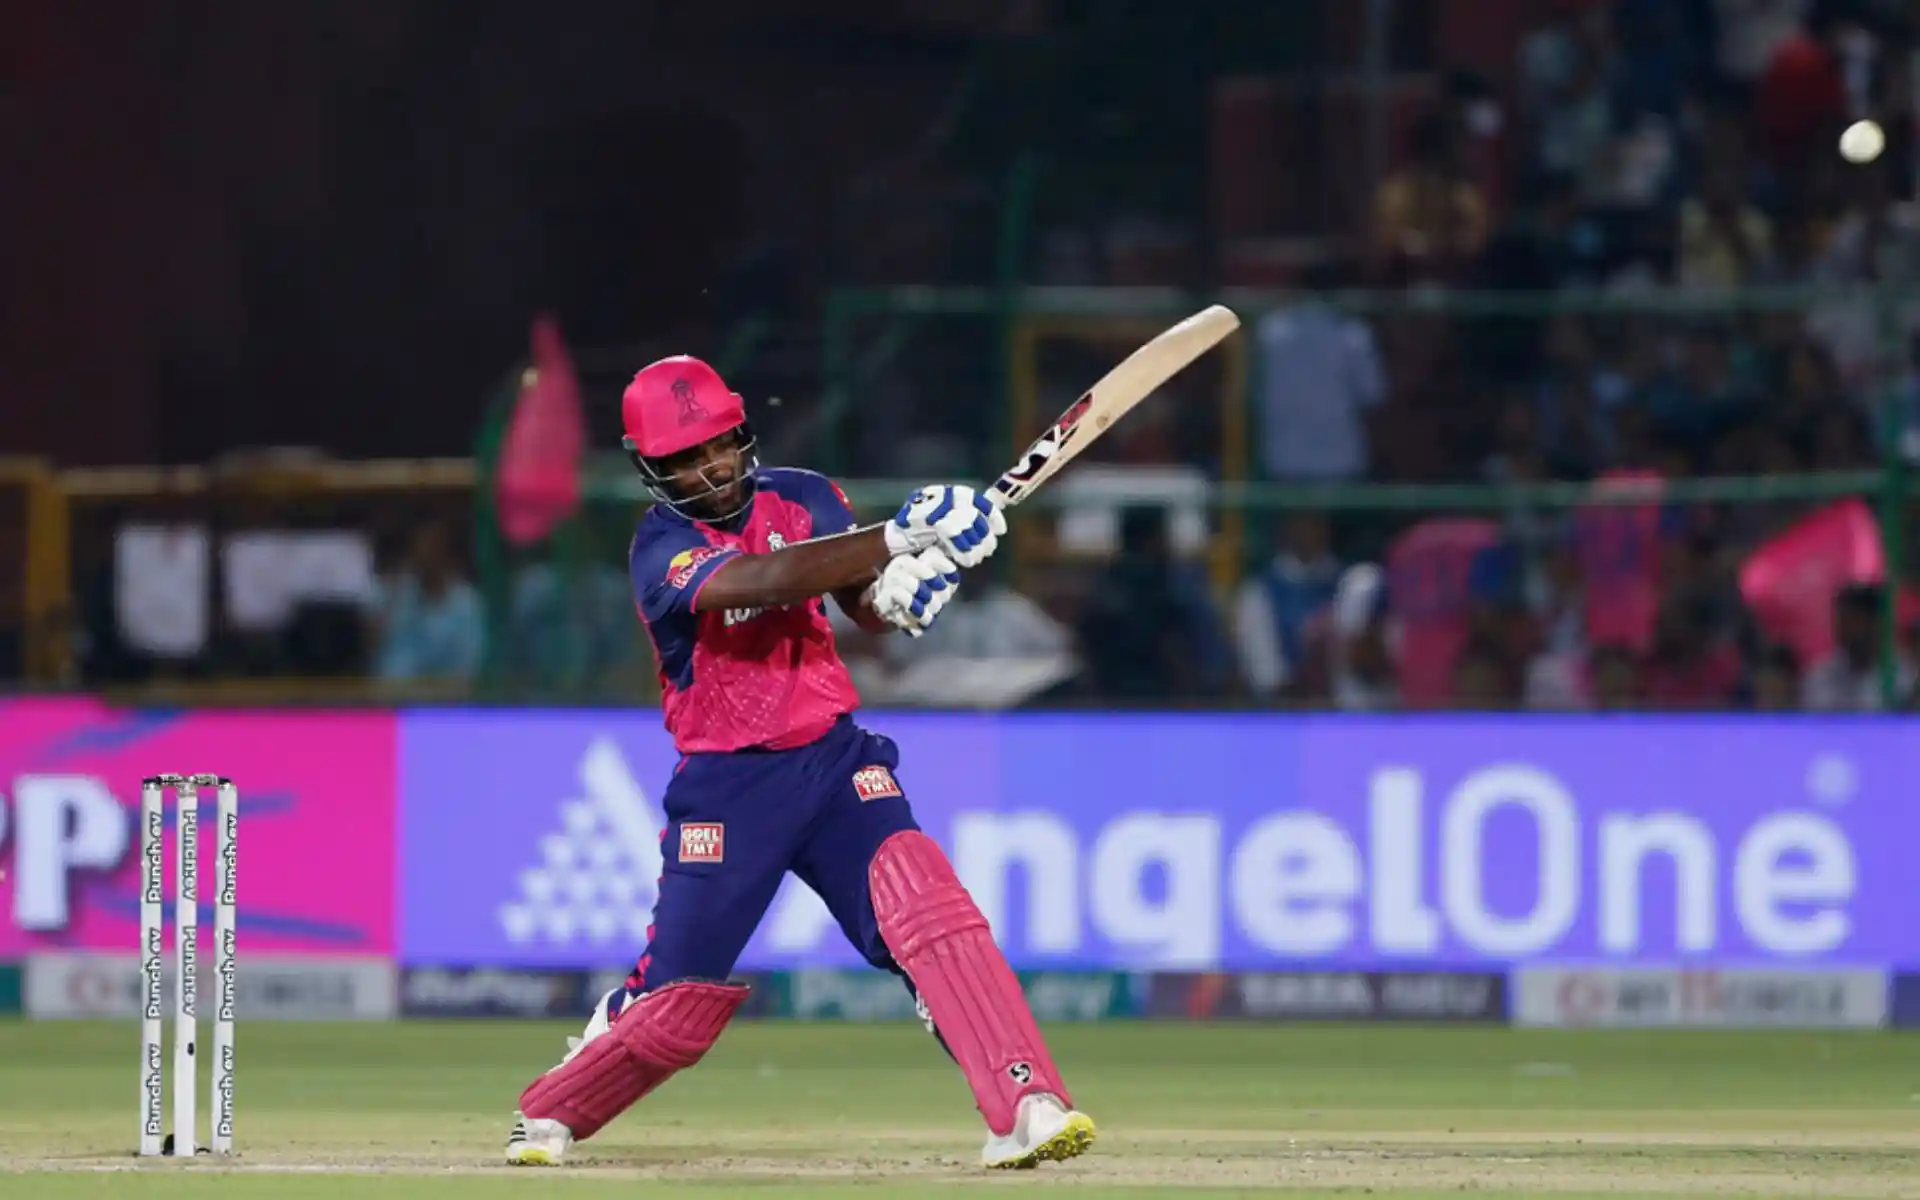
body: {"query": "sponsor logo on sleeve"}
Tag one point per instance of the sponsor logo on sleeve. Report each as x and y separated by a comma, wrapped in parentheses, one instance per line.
(875, 783)
(680, 570)
(703, 842)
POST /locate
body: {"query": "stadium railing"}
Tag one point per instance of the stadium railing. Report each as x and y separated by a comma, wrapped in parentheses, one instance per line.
(921, 383)
(58, 533)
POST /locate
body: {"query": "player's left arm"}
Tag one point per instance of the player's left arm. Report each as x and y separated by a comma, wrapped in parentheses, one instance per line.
(832, 513)
(857, 603)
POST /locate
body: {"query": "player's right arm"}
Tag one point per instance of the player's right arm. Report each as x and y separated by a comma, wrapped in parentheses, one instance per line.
(677, 569)
(797, 573)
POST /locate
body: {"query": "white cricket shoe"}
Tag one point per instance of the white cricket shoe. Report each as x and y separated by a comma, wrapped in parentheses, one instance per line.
(537, 1143)
(544, 1143)
(1044, 1130)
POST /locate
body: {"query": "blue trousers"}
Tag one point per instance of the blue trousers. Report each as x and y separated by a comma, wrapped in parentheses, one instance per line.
(737, 823)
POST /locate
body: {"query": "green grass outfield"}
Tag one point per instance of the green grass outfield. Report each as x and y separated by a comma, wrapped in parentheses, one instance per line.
(780, 1111)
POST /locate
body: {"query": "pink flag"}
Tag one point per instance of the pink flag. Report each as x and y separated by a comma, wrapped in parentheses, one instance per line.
(539, 477)
(1618, 548)
(1790, 581)
(1429, 568)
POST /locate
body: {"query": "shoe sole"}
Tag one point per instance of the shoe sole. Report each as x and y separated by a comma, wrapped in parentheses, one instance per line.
(531, 1158)
(1073, 1140)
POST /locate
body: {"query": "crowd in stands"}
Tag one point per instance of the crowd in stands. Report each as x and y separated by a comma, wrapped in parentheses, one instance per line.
(1661, 150)
(1671, 170)
(177, 601)
(1668, 167)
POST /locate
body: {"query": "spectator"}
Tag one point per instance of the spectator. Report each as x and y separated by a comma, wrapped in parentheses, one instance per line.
(1906, 431)
(1750, 31)
(1556, 671)
(1440, 571)
(1483, 679)
(1480, 123)
(571, 624)
(1614, 672)
(1688, 666)
(1812, 386)
(1799, 242)
(1365, 678)
(1319, 379)
(1877, 240)
(1274, 606)
(1576, 399)
(1136, 632)
(431, 626)
(1549, 242)
(1841, 441)
(160, 592)
(1663, 45)
(1429, 222)
(1691, 403)
(1776, 680)
(1848, 679)
(1802, 98)
(1724, 239)
(1515, 454)
(1564, 70)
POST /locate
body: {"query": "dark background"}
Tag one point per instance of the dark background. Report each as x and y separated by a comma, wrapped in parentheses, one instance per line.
(328, 223)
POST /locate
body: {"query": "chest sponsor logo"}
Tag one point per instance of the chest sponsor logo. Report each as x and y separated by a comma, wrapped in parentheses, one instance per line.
(703, 842)
(875, 783)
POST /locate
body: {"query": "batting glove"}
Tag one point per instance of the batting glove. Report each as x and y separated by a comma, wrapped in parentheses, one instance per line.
(954, 517)
(913, 589)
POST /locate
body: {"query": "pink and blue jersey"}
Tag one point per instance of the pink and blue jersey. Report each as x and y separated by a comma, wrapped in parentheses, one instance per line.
(764, 678)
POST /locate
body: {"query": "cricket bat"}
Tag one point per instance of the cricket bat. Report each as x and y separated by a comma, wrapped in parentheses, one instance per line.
(1113, 397)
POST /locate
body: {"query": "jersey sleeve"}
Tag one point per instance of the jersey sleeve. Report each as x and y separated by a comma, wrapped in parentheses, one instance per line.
(669, 567)
(826, 503)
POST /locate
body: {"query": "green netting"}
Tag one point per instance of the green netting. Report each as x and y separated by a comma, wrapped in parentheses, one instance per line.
(921, 383)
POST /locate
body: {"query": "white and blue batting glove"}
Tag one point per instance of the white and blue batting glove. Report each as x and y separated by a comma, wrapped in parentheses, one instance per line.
(954, 517)
(913, 589)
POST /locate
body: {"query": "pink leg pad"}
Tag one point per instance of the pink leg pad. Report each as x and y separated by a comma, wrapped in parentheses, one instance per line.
(655, 1037)
(940, 938)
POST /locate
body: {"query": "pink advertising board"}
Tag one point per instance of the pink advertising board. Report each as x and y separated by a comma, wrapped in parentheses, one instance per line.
(317, 819)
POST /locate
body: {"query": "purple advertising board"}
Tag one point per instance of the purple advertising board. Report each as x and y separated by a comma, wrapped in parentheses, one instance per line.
(1226, 841)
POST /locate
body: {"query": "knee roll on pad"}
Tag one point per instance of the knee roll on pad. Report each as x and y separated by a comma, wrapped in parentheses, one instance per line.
(655, 1037)
(940, 938)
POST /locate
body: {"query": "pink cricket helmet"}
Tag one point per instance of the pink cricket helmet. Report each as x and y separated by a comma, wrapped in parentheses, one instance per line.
(675, 404)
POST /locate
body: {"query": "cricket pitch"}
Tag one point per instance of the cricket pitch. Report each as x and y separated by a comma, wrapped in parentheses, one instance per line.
(421, 1109)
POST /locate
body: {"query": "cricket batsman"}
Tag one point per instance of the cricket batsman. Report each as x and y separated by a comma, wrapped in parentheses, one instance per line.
(731, 568)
